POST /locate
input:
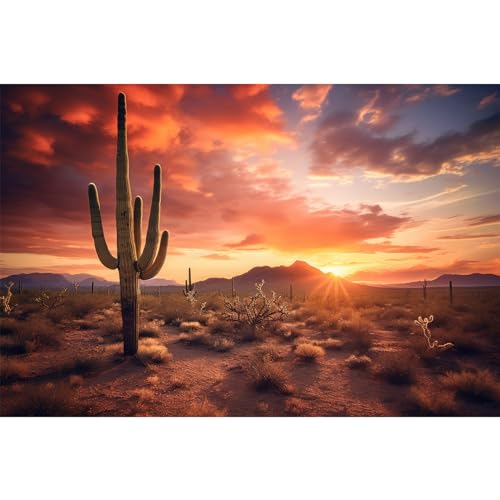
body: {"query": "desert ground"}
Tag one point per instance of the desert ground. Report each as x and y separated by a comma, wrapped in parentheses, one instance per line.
(358, 354)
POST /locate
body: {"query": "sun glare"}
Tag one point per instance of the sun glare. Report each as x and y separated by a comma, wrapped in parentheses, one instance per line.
(337, 270)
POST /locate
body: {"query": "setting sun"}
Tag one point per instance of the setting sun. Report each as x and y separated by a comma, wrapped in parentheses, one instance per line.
(339, 271)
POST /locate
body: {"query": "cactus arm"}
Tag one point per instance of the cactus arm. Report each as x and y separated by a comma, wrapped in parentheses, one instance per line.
(101, 246)
(149, 252)
(138, 224)
(157, 264)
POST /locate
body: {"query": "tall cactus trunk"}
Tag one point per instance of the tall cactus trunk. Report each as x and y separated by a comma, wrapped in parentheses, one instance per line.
(131, 263)
(127, 256)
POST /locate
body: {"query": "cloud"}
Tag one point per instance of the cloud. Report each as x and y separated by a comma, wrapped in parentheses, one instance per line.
(247, 241)
(217, 256)
(311, 97)
(487, 100)
(468, 236)
(342, 144)
(484, 220)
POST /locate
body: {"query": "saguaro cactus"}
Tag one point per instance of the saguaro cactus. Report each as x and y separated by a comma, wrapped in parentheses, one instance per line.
(189, 287)
(131, 263)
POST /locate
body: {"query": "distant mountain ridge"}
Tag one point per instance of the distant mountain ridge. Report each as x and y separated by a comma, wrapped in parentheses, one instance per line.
(459, 280)
(65, 280)
(302, 276)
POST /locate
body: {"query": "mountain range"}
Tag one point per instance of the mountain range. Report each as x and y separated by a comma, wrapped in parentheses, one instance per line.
(461, 280)
(302, 276)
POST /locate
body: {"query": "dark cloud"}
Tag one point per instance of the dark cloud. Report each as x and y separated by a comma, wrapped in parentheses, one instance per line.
(342, 143)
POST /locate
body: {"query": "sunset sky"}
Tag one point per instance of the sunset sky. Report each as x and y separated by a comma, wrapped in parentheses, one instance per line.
(384, 183)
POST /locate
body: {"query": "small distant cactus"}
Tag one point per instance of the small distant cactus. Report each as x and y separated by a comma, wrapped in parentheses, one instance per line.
(189, 290)
(423, 323)
(5, 300)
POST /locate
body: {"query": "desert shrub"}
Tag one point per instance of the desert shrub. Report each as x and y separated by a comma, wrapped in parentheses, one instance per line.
(397, 367)
(333, 344)
(295, 407)
(30, 334)
(309, 352)
(256, 311)
(151, 351)
(269, 376)
(204, 409)
(189, 326)
(269, 352)
(431, 402)
(151, 329)
(221, 326)
(360, 340)
(47, 400)
(358, 362)
(77, 365)
(469, 342)
(222, 344)
(480, 385)
(195, 338)
(80, 305)
(394, 313)
(12, 370)
(111, 327)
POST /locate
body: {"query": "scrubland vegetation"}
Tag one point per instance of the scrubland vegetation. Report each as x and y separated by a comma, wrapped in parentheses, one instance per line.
(356, 354)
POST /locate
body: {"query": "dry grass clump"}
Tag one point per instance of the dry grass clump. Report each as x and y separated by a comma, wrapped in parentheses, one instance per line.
(151, 329)
(270, 352)
(480, 385)
(204, 409)
(333, 344)
(428, 402)
(189, 326)
(309, 352)
(111, 328)
(23, 336)
(468, 342)
(295, 407)
(268, 376)
(12, 370)
(358, 362)
(151, 351)
(46, 400)
(220, 326)
(397, 367)
(222, 344)
(195, 338)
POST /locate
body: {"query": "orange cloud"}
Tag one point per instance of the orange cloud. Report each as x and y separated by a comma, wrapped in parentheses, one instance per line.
(487, 101)
(311, 96)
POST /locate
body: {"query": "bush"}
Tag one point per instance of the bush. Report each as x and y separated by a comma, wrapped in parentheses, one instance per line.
(150, 350)
(29, 335)
(309, 352)
(47, 400)
(478, 385)
(204, 409)
(151, 329)
(269, 376)
(397, 367)
(334, 344)
(432, 403)
(358, 362)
